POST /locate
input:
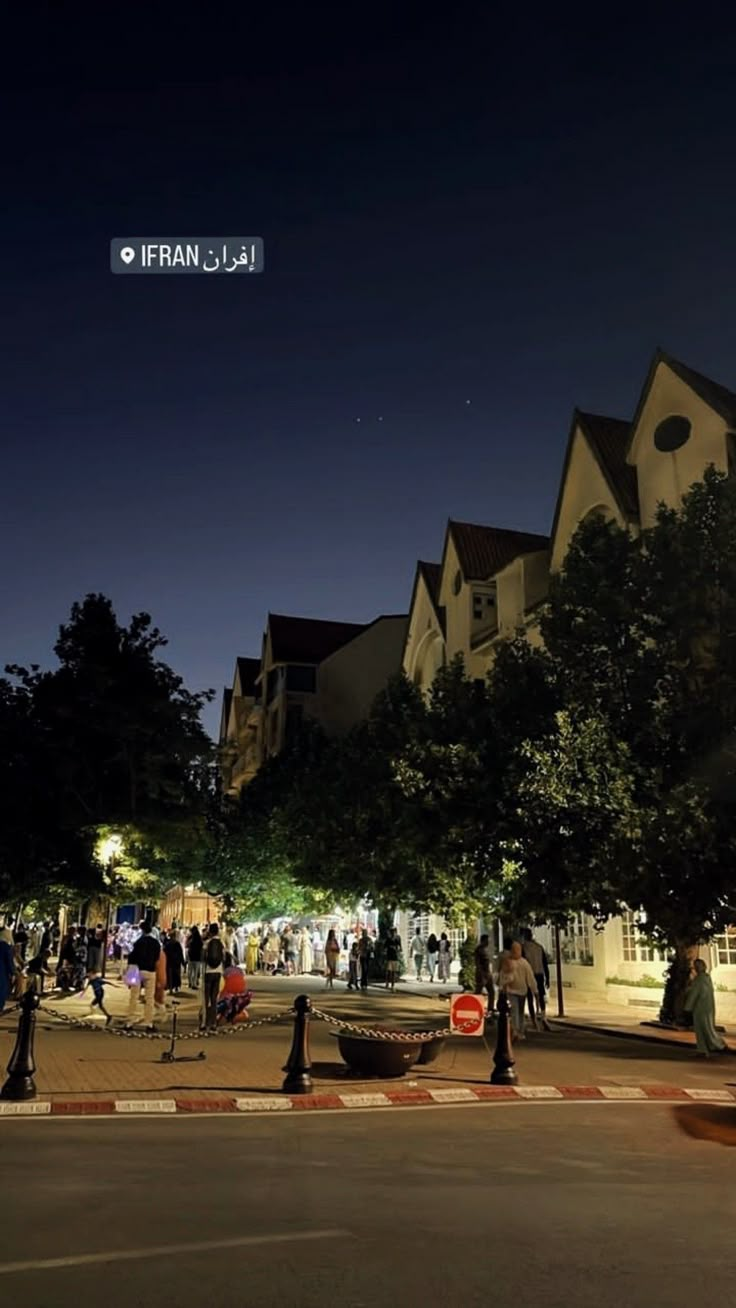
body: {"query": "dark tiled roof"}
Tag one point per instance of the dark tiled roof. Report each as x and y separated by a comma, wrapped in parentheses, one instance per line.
(717, 396)
(432, 573)
(308, 640)
(484, 551)
(248, 670)
(609, 438)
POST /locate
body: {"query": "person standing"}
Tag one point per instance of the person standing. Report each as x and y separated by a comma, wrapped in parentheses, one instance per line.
(289, 943)
(174, 963)
(38, 968)
(240, 947)
(537, 959)
(144, 956)
(214, 958)
(80, 959)
(700, 1000)
(353, 966)
(332, 956)
(194, 958)
(66, 962)
(433, 949)
(306, 960)
(417, 950)
(484, 971)
(517, 979)
(365, 950)
(95, 948)
(444, 958)
(393, 956)
(272, 951)
(251, 953)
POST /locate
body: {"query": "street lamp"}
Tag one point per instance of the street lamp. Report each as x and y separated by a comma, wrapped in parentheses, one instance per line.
(109, 851)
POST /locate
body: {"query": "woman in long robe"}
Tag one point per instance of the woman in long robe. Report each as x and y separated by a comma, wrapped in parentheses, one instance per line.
(251, 953)
(306, 958)
(700, 1000)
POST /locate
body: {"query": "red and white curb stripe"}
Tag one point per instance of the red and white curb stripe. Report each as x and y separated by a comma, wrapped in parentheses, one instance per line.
(486, 1094)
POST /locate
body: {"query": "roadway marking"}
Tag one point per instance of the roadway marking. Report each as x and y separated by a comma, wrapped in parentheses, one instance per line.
(538, 1092)
(34, 1109)
(145, 1106)
(262, 1104)
(722, 1096)
(167, 1250)
(622, 1091)
(365, 1101)
(452, 1096)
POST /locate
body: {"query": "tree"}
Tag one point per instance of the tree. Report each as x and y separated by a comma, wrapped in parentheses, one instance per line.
(112, 736)
(38, 850)
(642, 631)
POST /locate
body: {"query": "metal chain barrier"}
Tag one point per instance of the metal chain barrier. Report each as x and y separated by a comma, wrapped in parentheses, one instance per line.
(375, 1033)
(353, 1028)
(130, 1032)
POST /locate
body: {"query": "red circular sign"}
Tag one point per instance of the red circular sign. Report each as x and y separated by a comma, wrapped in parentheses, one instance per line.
(468, 1014)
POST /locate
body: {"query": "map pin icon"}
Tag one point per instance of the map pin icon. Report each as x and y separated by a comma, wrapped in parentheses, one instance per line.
(127, 254)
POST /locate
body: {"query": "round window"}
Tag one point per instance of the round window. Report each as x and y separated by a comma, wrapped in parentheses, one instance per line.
(672, 433)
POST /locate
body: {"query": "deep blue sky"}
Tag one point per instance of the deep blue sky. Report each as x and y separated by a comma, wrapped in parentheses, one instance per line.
(510, 211)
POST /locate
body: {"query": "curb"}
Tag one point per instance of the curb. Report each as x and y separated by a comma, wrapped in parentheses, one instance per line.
(486, 1094)
(621, 1033)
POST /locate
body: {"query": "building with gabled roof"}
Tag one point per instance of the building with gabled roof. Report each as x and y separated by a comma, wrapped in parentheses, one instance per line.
(489, 581)
(329, 672)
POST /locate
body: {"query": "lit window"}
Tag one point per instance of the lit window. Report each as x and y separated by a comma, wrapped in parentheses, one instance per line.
(636, 948)
(576, 941)
(726, 947)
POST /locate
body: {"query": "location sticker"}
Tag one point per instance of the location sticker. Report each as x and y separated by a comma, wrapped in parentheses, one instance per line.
(203, 255)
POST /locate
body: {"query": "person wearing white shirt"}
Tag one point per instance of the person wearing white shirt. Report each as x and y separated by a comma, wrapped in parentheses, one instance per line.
(515, 976)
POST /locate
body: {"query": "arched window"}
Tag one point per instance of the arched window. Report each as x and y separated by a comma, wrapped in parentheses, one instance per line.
(602, 511)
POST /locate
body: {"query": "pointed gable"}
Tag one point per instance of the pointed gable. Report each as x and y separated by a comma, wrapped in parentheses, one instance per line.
(424, 647)
(595, 478)
(246, 675)
(681, 426)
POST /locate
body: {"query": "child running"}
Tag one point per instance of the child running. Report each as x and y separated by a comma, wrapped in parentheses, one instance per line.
(97, 985)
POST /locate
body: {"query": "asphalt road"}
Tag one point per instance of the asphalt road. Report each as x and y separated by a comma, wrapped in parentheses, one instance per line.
(603, 1204)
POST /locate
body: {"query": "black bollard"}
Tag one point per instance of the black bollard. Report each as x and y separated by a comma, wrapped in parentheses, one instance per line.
(298, 1079)
(20, 1084)
(503, 1072)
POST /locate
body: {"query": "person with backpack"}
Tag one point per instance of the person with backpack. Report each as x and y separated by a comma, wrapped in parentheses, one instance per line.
(214, 957)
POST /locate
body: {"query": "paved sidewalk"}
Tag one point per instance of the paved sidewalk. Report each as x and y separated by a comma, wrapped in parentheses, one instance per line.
(82, 1064)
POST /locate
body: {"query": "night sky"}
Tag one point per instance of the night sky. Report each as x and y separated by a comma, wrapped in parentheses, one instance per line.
(472, 223)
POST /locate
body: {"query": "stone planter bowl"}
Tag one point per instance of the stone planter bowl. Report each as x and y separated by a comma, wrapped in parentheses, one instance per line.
(385, 1059)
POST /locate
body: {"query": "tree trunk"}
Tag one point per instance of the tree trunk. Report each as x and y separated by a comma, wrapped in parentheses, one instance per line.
(677, 977)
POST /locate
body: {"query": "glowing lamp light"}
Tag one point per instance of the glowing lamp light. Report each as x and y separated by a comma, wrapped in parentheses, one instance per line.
(109, 848)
